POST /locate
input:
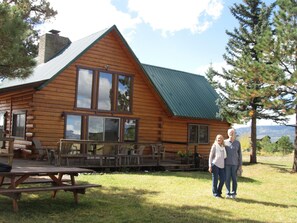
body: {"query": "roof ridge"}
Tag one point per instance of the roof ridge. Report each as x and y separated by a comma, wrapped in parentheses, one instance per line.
(171, 69)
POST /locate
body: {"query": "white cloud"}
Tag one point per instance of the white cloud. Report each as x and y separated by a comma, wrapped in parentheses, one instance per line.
(77, 19)
(170, 16)
(218, 66)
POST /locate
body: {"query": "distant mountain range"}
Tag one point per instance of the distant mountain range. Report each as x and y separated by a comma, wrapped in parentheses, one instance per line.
(274, 131)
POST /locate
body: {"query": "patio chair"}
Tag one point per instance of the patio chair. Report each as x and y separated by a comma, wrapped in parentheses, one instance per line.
(43, 152)
(158, 150)
(137, 155)
(123, 155)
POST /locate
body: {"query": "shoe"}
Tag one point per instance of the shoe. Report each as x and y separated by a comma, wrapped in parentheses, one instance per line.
(233, 196)
(229, 196)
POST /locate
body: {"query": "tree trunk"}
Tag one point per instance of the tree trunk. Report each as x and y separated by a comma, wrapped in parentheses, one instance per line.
(294, 168)
(253, 155)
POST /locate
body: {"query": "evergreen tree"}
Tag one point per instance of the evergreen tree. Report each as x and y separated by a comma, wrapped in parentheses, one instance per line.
(284, 145)
(19, 22)
(285, 52)
(248, 89)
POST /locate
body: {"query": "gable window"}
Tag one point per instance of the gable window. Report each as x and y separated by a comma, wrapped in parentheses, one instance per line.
(103, 91)
(198, 134)
(84, 88)
(103, 129)
(19, 124)
(73, 127)
(130, 127)
(124, 91)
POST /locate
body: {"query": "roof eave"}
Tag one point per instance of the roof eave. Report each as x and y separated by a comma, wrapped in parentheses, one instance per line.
(34, 86)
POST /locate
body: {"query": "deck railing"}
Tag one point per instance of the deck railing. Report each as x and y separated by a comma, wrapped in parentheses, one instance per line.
(108, 153)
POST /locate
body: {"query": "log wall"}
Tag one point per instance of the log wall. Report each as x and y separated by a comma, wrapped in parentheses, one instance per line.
(45, 107)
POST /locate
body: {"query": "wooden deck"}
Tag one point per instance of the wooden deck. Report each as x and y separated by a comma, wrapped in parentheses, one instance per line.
(147, 164)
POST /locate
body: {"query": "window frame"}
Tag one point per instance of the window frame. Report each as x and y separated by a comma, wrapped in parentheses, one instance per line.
(136, 129)
(130, 93)
(85, 125)
(104, 132)
(2, 135)
(65, 124)
(198, 133)
(95, 90)
(77, 88)
(13, 130)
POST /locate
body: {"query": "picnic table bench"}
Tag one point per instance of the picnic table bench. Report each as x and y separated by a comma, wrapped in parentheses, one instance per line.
(54, 182)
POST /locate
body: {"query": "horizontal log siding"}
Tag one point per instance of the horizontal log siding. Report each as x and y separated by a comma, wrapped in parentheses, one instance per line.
(20, 100)
(176, 130)
(59, 95)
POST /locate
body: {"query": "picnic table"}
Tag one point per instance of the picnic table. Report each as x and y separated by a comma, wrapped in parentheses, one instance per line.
(51, 179)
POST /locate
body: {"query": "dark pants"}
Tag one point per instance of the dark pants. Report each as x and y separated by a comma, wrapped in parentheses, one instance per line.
(217, 174)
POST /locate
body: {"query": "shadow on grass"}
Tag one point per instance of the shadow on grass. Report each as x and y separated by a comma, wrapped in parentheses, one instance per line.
(250, 201)
(183, 174)
(279, 167)
(110, 205)
(247, 180)
(192, 175)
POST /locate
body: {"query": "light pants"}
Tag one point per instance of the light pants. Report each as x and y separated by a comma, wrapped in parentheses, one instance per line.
(231, 175)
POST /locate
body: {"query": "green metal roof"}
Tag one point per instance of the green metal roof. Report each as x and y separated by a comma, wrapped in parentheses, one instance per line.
(186, 95)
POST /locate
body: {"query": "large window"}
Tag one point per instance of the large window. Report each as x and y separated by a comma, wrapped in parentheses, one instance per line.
(84, 88)
(104, 129)
(198, 134)
(19, 124)
(103, 91)
(73, 127)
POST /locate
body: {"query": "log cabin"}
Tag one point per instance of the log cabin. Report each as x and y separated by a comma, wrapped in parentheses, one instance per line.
(96, 89)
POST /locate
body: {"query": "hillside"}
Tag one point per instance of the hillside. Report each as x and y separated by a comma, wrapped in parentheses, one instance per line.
(274, 131)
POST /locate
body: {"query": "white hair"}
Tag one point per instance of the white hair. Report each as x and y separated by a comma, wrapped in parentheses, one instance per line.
(229, 131)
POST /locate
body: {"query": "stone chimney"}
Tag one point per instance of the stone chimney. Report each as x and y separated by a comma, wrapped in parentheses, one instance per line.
(50, 45)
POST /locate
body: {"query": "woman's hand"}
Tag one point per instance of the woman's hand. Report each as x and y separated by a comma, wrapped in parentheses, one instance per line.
(209, 169)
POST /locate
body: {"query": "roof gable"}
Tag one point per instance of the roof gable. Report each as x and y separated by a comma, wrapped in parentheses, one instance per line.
(186, 95)
(46, 71)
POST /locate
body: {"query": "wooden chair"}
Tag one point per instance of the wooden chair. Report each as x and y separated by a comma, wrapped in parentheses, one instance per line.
(43, 152)
(68, 151)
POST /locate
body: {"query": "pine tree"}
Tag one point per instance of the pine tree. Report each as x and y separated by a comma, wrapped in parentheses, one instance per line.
(285, 52)
(19, 22)
(248, 88)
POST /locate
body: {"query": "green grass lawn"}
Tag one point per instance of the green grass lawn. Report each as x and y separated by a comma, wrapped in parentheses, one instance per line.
(267, 192)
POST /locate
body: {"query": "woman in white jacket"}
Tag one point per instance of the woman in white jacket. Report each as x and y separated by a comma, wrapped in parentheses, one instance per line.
(216, 165)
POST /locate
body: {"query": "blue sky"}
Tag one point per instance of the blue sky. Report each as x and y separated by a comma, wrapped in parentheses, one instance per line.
(184, 35)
